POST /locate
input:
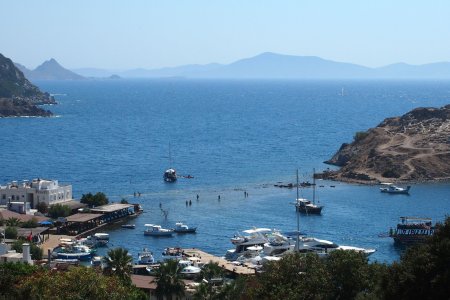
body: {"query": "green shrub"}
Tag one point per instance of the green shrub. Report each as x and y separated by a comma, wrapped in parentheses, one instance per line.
(11, 232)
(360, 135)
(58, 210)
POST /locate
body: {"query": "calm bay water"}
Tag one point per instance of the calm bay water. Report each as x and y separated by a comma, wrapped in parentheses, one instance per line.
(113, 136)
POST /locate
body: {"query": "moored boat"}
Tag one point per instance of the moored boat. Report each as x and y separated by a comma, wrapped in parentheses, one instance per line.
(393, 189)
(128, 226)
(306, 206)
(145, 257)
(412, 230)
(102, 238)
(157, 230)
(172, 253)
(183, 228)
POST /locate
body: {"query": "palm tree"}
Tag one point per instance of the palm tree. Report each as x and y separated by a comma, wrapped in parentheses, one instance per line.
(13, 222)
(119, 263)
(168, 280)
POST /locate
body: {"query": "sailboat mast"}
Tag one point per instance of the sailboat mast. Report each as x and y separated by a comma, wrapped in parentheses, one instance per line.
(170, 157)
(314, 186)
(298, 218)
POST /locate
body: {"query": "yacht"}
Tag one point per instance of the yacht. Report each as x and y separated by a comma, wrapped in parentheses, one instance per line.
(393, 189)
(145, 257)
(254, 237)
(183, 228)
(277, 244)
(157, 230)
(324, 247)
(72, 250)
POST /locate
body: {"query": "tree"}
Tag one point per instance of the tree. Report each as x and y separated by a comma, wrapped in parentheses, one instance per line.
(35, 251)
(32, 223)
(76, 283)
(94, 200)
(168, 280)
(58, 210)
(207, 290)
(12, 274)
(119, 263)
(42, 207)
(11, 233)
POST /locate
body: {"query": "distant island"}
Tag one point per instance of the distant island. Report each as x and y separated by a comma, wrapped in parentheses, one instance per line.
(270, 65)
(49, 70)
(411, 148)
(18, 96)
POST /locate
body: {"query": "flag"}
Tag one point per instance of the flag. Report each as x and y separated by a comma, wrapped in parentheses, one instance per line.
(30, 237)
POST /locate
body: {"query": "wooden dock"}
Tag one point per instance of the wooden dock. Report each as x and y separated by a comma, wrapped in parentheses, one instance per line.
(223, 263)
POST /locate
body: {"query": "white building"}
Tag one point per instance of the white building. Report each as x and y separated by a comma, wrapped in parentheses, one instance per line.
(38, 190)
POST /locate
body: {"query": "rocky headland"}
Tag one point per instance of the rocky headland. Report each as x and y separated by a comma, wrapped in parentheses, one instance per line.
(412, 148)
(18, 96)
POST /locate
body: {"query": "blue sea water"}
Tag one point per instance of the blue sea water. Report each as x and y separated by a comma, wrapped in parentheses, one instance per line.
(113, 136)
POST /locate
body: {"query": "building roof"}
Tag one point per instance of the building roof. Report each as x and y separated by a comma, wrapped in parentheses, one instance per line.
(144, 282)
(111, 207)
(6, 214)
(25, 232)
(82, 217)
(149, 283)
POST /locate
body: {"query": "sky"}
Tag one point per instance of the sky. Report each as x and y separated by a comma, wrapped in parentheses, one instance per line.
(150, 34)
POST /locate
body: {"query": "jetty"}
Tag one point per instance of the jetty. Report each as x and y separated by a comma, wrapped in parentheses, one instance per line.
(205, 258)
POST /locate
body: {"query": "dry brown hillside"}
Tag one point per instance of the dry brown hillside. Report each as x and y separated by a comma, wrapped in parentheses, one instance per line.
(413, 147)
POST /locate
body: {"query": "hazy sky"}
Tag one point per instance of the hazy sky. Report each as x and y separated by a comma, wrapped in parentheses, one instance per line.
(150, 34)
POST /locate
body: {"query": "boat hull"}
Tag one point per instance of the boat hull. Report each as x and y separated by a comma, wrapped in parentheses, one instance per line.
(189, 230)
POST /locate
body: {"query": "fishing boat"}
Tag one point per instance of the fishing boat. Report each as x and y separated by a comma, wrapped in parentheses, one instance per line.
(305, 206)
(157, 230)
(73, 251)
(390, 188)
(183, 228)
(145, 257)
(170, 175)
(412, 230)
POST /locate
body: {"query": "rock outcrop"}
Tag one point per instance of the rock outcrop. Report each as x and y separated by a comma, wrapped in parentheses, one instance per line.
(413, 147)
(18, 96)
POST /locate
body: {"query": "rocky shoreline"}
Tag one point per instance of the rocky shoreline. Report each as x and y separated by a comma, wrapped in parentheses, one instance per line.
(18, 96)
(412, 148)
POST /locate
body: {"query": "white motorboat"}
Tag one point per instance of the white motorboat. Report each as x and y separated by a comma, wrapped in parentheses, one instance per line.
(157, 230)
(190, 271)
(102, 238)
(390, 188)
(183, 228)
(277, 244)
(96, 261)
(145, 257)
(254, 237)
(324, 247)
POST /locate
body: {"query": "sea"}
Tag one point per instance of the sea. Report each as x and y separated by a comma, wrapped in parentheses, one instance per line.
(231, 136)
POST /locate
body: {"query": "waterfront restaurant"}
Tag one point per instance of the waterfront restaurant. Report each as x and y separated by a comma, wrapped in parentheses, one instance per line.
(81, 222)
(114, 211)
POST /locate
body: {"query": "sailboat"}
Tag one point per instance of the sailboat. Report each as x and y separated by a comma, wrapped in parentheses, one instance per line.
(306, 206)
(170, 175)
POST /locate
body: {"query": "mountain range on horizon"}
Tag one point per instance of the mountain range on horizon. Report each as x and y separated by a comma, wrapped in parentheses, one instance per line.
(267, 65)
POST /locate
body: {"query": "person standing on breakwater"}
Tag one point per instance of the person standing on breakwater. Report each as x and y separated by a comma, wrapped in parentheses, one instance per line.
(218, 198)
(197, 197)
(190, 202)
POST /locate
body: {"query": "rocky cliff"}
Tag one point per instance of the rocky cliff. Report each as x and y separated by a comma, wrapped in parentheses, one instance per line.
(18, 96)
(413, 147)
